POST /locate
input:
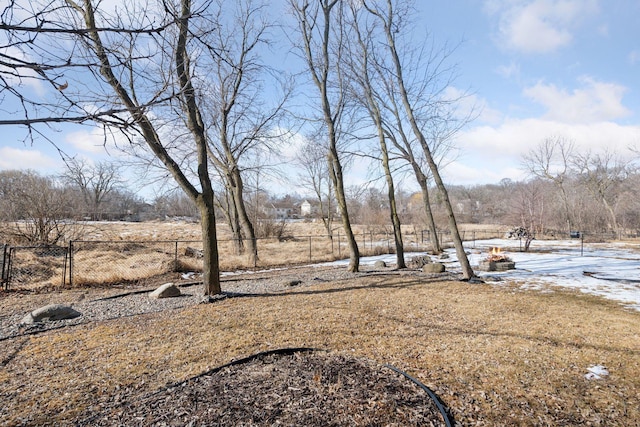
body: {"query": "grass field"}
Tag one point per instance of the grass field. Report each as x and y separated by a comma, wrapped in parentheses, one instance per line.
(496, 355)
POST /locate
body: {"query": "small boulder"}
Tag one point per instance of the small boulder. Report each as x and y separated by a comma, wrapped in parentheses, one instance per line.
(168, 290)
(379, 264)
(436, 267)
(51, 312)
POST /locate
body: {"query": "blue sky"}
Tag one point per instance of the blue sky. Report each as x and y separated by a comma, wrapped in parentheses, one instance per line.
(536, 68)
(542, 68)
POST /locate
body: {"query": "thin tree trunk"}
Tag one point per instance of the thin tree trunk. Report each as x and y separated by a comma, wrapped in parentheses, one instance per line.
(243, 217)
(467, 271)
(335, 169)
(320, 74)
(431, 222)
(373, 108)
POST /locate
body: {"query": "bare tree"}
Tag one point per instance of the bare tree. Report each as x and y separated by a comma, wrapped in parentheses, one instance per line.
(239, 119)
(34, 209)
(391, 23)
(528, 210)
(96, 182)
(358, 62)
(604, 175)
(551, 160)
(321, 36)
(312, 159)
(427, 78)
(123, 68)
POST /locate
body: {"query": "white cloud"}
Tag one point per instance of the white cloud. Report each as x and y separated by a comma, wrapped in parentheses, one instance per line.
(465, 173)
(593, 102)
(513, 138)
(471, 106)
(538, 26)
(93, 143)
(16, 158)
(509, 71)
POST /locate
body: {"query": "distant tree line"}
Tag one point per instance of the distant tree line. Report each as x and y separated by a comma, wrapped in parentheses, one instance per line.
(593, 194)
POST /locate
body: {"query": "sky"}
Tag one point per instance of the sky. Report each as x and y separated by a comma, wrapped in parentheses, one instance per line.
(534, 69)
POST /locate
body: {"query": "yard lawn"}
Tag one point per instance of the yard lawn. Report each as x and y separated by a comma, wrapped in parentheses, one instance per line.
(496, 355)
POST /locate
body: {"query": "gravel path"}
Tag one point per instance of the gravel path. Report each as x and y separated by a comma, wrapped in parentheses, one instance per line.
(120, 304)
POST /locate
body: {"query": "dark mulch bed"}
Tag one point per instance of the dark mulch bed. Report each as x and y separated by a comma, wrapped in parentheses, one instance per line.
(302, 388)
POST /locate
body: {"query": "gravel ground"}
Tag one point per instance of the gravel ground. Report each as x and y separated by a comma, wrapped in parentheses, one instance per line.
(109, 304)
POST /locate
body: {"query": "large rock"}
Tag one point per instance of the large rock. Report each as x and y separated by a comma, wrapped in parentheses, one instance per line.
(51, 312)
(379, 264)
(168, 290)
(436, 267)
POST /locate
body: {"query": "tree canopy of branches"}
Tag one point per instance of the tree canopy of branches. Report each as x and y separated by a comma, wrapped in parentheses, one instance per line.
(132, 68)
(33, 209)
(95, 182)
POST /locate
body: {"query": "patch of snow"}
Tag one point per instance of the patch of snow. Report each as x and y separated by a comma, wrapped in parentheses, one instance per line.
(596, 372)
(609, 270)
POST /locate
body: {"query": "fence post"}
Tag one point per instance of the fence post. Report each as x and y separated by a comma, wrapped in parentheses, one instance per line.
(309, 249)
(4, 279)
(64, 268)
(175, 257)
(70, 263)
(332, 252)
(339, 248)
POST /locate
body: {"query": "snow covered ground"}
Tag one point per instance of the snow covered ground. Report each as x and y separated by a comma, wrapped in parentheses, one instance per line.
(610, 270)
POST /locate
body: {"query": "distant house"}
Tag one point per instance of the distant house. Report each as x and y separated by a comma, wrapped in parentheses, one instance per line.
(307, 209)
(280, 210)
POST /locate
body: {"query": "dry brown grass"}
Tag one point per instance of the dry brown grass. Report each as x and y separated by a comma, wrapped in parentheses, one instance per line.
(497, 356)
(116, 251)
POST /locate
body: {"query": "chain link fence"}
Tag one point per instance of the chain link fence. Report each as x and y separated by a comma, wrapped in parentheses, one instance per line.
(30, 267)
(107, 263)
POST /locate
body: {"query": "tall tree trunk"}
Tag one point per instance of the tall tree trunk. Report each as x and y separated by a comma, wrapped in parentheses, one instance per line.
(467, 271)
(372, 106)
(320, 71)
(211, 273)
(335, 171)
(203, 199)
(210, 266)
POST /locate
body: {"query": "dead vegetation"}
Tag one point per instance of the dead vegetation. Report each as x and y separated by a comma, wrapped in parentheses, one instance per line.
(496, 355)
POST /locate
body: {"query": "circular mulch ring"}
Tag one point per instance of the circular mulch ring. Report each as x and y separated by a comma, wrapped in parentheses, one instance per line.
(290, 388)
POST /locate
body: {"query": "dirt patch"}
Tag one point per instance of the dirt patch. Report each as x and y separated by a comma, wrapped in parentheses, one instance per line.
(301, 388)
